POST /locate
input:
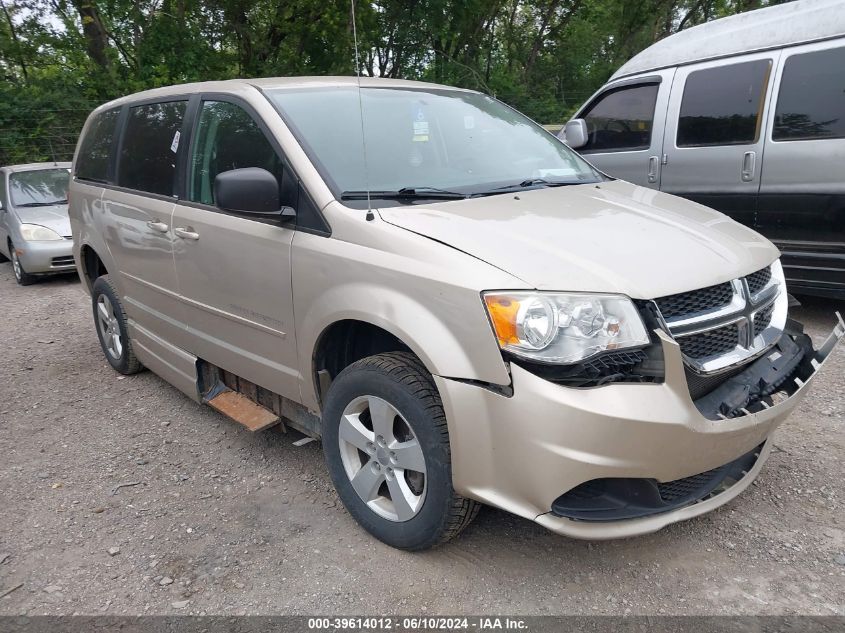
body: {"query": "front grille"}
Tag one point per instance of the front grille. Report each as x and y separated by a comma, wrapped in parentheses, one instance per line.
(672, 490)
(763, 318)
(615, 361)
(710, 343)
(702, 384)
(66, 260)
(687, 303)
(759, 280)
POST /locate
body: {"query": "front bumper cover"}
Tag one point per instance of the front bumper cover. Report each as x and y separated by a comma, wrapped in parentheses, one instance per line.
(521, 453)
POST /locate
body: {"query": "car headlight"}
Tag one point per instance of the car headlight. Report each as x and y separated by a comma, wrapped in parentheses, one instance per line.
(36, 233)
(563, 328)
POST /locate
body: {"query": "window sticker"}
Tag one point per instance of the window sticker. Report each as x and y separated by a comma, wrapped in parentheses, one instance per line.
(421, 128)
(469, 122)
(174, 146)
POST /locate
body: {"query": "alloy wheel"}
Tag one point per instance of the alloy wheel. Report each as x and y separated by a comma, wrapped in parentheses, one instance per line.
(16, 264)
(109, 327)
(382, 458)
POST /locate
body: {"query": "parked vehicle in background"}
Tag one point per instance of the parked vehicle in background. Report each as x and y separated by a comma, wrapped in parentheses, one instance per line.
(34, 226)
(465, 312)
(745, 115)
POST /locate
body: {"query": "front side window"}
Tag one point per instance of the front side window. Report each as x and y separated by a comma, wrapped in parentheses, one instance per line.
(811, 102)
(423, 138)
(723, 105)
(227, 138)
(621, 119)
(149, 148)
(95, 151)
(39, 188)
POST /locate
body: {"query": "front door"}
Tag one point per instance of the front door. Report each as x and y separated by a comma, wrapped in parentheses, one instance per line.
(713, 150)
(234, 272)
(625, 128)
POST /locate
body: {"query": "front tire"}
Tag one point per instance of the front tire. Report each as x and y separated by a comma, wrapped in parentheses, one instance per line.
(21, 276)
(110, 321)
(387, 448)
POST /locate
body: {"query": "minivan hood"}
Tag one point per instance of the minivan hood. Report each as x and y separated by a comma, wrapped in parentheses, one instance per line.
(612, 237)
(54, 217)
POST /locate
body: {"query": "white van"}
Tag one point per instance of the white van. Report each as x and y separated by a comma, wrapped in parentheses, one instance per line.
(745, 115)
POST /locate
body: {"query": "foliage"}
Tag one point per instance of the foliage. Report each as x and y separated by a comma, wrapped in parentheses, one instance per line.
(60, 58)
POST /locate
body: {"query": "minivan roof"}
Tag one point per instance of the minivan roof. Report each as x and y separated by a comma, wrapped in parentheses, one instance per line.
(773, 27)
(268, 83)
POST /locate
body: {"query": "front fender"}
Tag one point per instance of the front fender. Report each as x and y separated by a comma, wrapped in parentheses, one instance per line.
(432, 304)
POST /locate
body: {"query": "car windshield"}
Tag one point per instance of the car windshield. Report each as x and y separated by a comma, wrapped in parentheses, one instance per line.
(424, 140)
(39, 188)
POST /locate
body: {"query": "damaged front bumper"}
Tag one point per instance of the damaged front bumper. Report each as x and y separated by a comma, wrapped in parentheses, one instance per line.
(523, 453)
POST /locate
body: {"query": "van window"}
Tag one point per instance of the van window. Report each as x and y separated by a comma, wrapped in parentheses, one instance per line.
(811, 103)
(95, 152)
(723, 105)
(227, 138)
(149, 147)
(621, 119)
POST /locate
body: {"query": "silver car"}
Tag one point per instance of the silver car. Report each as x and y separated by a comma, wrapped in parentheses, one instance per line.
(34, 225)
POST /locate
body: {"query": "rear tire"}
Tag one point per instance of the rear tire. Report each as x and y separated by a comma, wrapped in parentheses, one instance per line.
(110, 322)
(21, 276)
(387, 449)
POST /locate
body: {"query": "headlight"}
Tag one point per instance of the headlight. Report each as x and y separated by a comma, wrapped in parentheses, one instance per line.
(36, 233)
(563, 328)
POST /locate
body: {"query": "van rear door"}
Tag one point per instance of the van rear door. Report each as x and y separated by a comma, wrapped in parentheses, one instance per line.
(714, 133)
(625, 122)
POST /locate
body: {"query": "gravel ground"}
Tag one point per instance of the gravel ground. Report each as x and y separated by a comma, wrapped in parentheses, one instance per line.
(219, 521)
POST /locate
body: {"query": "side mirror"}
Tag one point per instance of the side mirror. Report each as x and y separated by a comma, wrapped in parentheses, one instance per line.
(574, 133)
(251, 191)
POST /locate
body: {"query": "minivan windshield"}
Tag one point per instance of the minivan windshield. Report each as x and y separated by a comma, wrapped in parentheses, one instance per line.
(424, 143)
(39, 188)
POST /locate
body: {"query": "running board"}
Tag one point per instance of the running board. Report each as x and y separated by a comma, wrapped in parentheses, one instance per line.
(243, 410)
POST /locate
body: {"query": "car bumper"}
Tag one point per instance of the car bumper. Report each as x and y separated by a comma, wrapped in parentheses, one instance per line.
(47, 257)
(520, 453)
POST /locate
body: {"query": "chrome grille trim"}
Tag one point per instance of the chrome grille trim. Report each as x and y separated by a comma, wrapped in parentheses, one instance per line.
(754, 334)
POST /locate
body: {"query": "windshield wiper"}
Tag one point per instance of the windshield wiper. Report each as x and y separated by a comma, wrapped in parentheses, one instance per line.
(40, 204)
(405, 193)
(529, 182)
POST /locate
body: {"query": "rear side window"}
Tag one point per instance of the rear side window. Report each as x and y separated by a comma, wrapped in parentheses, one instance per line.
(723, 105)
(811, 103)
(95, 151)
(149, 147)
(227, 138)
(621, 119)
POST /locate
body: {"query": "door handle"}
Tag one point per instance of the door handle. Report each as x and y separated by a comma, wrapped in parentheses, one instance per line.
(652, 168)
(157, 225)
(749, 160)
(186, 233)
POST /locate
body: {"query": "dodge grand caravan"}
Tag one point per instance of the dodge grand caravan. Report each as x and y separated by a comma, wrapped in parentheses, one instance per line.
(462, 308)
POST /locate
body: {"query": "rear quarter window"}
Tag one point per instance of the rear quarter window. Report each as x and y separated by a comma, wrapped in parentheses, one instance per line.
(92, 163)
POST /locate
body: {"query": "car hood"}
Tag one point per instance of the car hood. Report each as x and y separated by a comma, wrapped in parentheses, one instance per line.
(613, 237)
(54, 217)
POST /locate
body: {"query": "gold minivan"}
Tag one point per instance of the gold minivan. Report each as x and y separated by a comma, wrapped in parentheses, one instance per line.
(462, 308)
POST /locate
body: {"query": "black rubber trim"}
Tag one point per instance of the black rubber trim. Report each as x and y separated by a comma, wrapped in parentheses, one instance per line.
(617, 499)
